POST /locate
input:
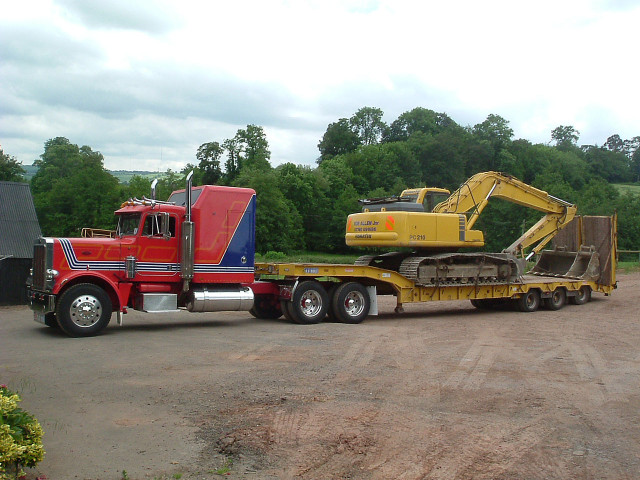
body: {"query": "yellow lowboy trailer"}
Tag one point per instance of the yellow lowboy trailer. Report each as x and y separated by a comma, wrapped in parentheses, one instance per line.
(582, 262)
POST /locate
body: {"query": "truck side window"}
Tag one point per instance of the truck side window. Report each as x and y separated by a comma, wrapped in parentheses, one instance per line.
(152, 227)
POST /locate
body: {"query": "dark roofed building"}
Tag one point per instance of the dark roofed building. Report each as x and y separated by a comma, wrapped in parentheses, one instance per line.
(19, 228)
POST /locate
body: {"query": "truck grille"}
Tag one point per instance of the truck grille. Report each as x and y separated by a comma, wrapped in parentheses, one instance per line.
(39, 267)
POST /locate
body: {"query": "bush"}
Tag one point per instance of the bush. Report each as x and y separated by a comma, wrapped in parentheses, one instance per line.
(20, 436)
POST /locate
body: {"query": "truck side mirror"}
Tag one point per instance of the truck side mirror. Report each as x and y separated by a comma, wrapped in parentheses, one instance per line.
(164, 225)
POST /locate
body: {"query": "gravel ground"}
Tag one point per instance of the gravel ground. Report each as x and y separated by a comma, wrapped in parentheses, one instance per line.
(443, 391)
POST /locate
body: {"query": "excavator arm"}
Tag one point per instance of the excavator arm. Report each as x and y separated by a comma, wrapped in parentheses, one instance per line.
(473, 196)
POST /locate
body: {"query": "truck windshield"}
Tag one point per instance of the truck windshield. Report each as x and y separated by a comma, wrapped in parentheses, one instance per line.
(128, 224)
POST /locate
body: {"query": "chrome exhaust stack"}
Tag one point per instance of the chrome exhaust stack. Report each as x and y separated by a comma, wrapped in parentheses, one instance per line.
(188, 239)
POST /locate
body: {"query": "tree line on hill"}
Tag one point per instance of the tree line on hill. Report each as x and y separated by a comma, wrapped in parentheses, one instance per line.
(305, 208)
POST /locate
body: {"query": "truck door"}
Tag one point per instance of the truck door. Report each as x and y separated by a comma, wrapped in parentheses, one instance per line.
(157, 258)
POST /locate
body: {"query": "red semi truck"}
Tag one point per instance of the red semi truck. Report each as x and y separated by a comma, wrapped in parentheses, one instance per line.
(196, 252)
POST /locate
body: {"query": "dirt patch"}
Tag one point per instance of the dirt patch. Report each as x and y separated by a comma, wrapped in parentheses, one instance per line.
(443, 391)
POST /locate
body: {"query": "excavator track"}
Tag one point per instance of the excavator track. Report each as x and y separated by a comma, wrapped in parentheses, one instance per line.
(462, 269)
(446, 269)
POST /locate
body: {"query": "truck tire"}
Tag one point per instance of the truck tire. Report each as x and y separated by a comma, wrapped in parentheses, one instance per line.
(331, 293)
(309, 303)
(350, 303)
(287, 310)
(266, 307)
(84, 310)
(583, 296)
(529, 301)
(557, 299)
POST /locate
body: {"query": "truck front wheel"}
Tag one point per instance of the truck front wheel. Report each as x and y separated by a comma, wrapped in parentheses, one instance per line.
(309, 303)
(83, 310)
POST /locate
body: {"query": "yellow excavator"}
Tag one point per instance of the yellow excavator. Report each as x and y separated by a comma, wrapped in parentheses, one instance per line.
(435, 225)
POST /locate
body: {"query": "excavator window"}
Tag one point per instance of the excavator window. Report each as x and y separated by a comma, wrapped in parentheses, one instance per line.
(431, 199)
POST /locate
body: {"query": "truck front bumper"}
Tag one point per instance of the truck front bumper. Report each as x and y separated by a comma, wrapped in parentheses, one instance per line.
(41, 302)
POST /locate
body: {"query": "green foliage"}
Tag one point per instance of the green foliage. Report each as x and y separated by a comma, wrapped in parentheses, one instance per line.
(208, 155)
(10, 169)
(278, 223)
(20, 436)
(73, 190)
(337, 140)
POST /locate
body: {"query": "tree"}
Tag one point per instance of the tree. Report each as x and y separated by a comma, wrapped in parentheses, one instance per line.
(495, 130)
(247, 149)
(565, 136)
(72, 189)
(10, 169)
(337, 140)
(255, 147)
(278, 223)
(209, 157)
(232, 164)
(417, 120)
(615, 144)
(368, 125)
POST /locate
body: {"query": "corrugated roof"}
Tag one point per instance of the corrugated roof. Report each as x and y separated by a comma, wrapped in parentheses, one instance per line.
(19, 225)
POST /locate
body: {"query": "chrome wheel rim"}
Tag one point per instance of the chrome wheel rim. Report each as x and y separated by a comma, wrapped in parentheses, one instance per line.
(85, 311)
(311, 303)
(354, 303)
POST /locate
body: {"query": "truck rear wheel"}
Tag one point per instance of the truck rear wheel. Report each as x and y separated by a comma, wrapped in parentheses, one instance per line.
(557, 299)
(583, 296)
(350, 303)
(84, 310)
(529, 301)
(309, 303)
(266, 307)
(287, 310)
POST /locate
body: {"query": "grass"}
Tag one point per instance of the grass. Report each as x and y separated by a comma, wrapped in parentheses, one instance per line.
(628, 266)
(628, 187)
(306, 257)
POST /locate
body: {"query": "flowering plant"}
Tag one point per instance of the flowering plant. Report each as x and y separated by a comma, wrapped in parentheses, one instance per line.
(20, 436)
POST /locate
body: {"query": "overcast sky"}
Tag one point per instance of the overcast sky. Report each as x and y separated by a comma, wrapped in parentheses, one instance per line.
(146, 82)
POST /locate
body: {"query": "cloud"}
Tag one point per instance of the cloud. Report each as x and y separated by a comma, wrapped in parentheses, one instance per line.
(134, 79)
(153, 17)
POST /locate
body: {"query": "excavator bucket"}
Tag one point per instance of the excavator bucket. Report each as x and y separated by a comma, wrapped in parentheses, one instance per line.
(581, 265)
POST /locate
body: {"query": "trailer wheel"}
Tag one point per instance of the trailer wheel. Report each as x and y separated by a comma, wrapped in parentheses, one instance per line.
(309, 303)
(557, 299)
(331, 315)
(266, 307)
(351, 303)
(583, 296)
(530, 301)
(84, 310)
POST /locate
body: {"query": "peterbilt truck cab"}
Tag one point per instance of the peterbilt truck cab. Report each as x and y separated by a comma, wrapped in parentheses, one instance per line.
(194, 251)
